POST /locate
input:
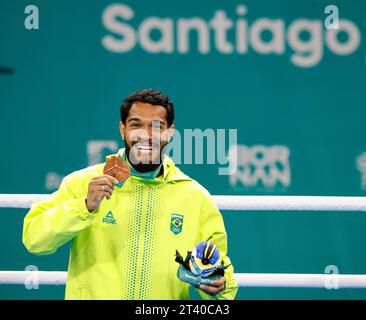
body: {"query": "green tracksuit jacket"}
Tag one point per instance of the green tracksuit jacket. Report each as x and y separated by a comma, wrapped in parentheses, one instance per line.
(126, 248)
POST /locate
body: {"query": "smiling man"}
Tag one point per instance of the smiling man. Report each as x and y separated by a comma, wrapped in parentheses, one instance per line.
(124, 234)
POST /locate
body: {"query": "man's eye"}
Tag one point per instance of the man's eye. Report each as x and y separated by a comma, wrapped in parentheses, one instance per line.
(159, 126)
(134, 125)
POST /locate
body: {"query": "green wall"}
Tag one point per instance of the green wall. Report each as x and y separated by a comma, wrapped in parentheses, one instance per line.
(299, 88)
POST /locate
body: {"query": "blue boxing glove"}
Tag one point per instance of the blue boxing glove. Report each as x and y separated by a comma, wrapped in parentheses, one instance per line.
(185, 274)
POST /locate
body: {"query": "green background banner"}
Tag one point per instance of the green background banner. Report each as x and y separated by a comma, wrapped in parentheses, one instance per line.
(294, 90)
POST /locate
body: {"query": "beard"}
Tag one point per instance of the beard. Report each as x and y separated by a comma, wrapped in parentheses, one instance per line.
(144, 167)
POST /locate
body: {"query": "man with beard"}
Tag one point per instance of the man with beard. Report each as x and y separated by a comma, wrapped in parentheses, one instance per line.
(127, 217)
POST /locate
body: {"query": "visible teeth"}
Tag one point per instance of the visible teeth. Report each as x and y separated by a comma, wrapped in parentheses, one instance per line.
(141, 147)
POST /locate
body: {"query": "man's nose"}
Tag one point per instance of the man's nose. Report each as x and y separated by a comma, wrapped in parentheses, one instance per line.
(145, 133)
(153, 130)
(149, 131)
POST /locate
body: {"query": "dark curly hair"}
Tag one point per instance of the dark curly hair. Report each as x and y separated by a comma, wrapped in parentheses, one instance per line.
(151, 96)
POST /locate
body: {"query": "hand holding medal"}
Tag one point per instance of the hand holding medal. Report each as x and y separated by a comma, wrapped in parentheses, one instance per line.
(115, 171)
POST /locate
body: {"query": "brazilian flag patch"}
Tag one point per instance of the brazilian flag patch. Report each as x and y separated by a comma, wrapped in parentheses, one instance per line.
(176, 223)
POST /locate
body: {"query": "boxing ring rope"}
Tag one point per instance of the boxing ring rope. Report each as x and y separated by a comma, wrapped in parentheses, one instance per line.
(243, 279)
(244, 203)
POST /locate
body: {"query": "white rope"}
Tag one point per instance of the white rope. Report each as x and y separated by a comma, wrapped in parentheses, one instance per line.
(291, 203)
(33, 277)
(333, 281)
(330, 281)
(20, 200)
(247, 203)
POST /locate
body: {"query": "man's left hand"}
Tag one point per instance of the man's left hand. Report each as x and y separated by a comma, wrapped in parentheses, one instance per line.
(216, 286)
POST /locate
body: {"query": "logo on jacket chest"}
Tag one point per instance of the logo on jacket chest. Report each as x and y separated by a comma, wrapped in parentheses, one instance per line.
(176, 223)
(109, 218)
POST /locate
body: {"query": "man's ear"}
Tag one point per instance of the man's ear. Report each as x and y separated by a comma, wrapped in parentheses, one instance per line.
(171, 132)
(122, 130)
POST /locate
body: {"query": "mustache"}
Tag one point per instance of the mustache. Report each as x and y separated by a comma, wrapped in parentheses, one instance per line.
(150, 142)
(154, 144)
